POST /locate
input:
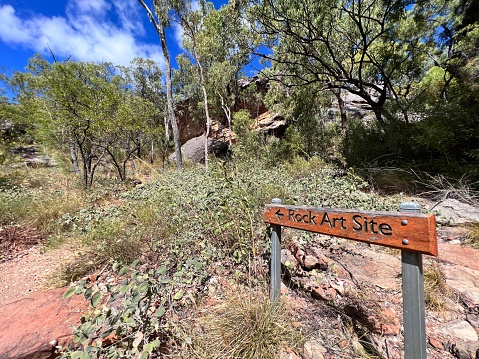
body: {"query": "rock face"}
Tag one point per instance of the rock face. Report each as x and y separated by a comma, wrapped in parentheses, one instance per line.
(189, 126)
(270, 124)
(363, 283)
(32, 157)
(33, 326)
(451, 211)
(354, 106)
(194, 149)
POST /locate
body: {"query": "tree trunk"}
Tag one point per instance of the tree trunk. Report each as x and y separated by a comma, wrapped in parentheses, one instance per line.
(169, 100)
(342, 112)
(207, 113)
(74, 158)
(152, 151)
(227, 111)
(160, 30)
(167, 136)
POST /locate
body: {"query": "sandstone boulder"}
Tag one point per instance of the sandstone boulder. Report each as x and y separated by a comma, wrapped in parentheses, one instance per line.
(453, 212)
(33, 326)
(194, 149)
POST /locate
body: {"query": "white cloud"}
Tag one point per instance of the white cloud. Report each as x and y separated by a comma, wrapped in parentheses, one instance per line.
(91, 30)
(178, 33)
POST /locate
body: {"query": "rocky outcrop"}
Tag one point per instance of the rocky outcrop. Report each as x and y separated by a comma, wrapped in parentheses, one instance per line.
(450, 211)
(191, 126)
(35, 327)
(270, 124)
(194, 149)
(363, 283)
(32, 156)
(355, 107)
(188, 125)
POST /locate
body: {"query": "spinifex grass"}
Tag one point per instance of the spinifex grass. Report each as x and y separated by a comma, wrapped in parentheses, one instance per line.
(435, 287)
(245, 326)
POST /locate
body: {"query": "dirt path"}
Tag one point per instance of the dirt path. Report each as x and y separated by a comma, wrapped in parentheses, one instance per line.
(29, 268)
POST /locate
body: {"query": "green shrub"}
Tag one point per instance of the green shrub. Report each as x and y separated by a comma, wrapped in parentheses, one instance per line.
(132, 314)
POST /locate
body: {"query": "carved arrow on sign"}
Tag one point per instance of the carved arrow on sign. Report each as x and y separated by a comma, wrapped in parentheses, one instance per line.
(278, 214)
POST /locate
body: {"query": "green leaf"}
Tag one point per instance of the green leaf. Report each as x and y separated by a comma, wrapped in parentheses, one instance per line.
(143, 287)
(76, 355)
(79, 337)
(179, 294)
(70, 291)
(96, 298)
(161, 270)
(130, 322)
(148, 347)
(134, 264)
(160, 312)
(124, 288)
(106, 332)
(123, 271)
(87, 293)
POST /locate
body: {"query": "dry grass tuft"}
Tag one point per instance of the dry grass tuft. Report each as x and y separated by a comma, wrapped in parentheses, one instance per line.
(435, 288)
(245, 326)
(472, 239)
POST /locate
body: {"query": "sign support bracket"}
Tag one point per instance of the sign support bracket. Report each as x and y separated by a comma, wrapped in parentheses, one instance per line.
(414, 316)
(275, 263)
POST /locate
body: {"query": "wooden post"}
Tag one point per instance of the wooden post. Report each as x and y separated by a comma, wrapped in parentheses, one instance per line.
(414, 312)
(275, 265)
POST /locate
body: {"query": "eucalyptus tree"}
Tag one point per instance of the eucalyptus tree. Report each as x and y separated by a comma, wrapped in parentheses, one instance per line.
(15, 114)
(86, 108)
(126, 131)
(376, 49)
(190, 19)
(226, 42)
(82, 98)
(145, 76)
(219, 47)
(161, 22)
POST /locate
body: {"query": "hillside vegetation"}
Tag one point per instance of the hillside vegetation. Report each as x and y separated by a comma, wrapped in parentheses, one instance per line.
(153, 242)
(163, 242)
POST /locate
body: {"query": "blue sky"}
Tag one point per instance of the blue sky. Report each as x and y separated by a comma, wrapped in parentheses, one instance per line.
(87, 30)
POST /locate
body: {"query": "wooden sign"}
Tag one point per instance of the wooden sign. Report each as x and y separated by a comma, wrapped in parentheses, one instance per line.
(406, 231)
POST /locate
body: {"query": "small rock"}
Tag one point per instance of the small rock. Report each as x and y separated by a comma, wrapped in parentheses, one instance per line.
(455, 241)
(289, 263)
(338, 287)
(473, 319)
(313, 350)
(327, 295)
(465, 350)
(461, 330)
(311, 262)
(386, 322)
(436, 343)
